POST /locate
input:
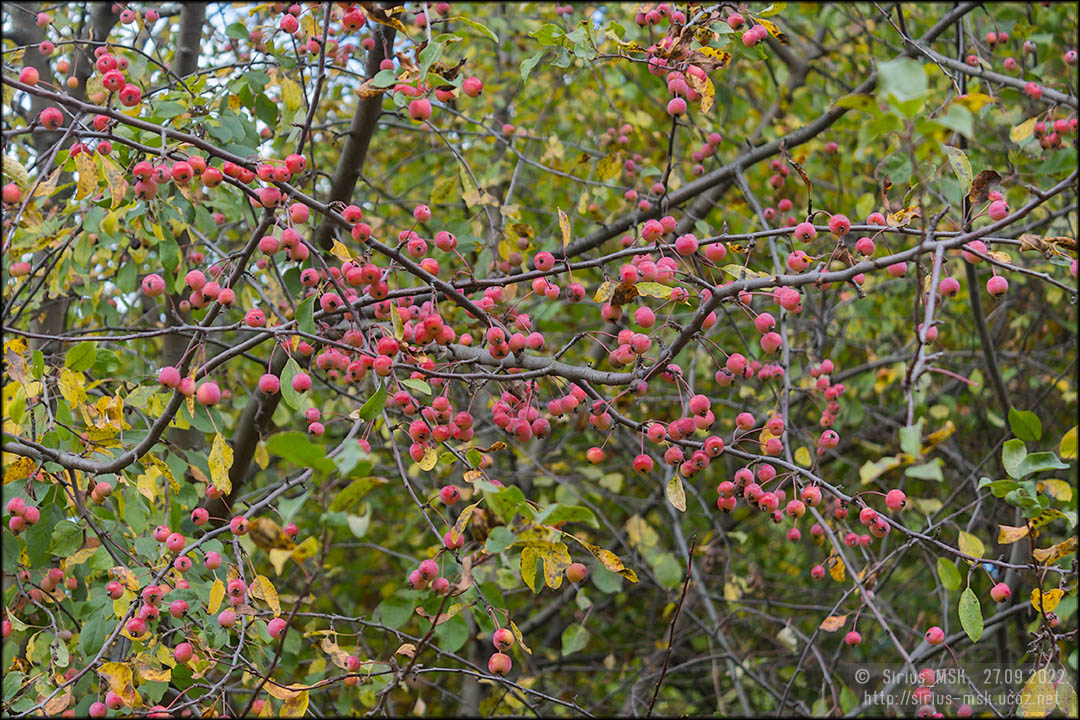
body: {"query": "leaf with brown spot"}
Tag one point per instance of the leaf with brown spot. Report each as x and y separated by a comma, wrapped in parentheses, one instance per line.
(709, 59)
(604, 292)
(1049, 555)
(383, 17)
(981, 185)
(900, 218)
(773, 29)
(833, 623)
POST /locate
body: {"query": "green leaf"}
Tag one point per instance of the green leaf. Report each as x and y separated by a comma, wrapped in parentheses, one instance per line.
(394, 611)
(452, 634)
(66, 539)
(298, 449)
(999, 488)
(1025, 425)
(12, 682)
(558, 513)
(667, 569)
(902, 78)
(950, 576)
(428, 56)
(352, 494)
(1039, 462)
(292, 398)
(1012, 454)
(960, 164)
(911, 439)
(373, 405)
(81, 357)
(303, 315)
(971, 618)
(927, 471)
(236, 31)
(528, 64)
(417, 385)
(477, 26)
(498, 540)
(574, 638)
(169, 109)
(505, 502)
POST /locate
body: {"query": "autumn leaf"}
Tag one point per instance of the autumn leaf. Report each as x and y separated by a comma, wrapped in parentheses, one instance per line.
(833, 623)
(221, 460)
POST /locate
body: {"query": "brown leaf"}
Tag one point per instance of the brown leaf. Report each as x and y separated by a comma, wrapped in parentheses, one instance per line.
(623, 294)
(980, 186)
(1031, 241)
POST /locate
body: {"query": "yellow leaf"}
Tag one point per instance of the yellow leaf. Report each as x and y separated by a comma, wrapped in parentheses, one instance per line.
(118, 676)
(722, 59)
(528, 567)
(743, 273)
(654, 289)
(443, 617)
(88, 175)
(279, 691)
(970, 545)
(556, 559)
(125, 577)
(901, 218)
(604, 293)
(463, 519)
(609, 560)
(114, 177)
(773, 30)
(1038, 697)
(14, 170)
(430, 459)
(676, 493)
(609, 166)
(18, 470)
(330, 647)
(802, 456)
(217, 594)
(974, 101)
(295, 706)
(291, 93)
(871, 471)
(519, 638)
(262, 457)
(1067, 446)
(1049, 600)
(340, 252)
(564, 226)
(306, 549)
(1057, 489)
(264, 590)
(938, 436)
(72, 387)
(48, 186)
(836, 569)
(704, 87)
(833, 623)
(406, 649)
(1023, 131)
(278, 558)
(221, 460)
(1008, 534)
(1049, 555)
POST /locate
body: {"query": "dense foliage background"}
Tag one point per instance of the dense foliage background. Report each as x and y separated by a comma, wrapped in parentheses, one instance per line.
(724, 354)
